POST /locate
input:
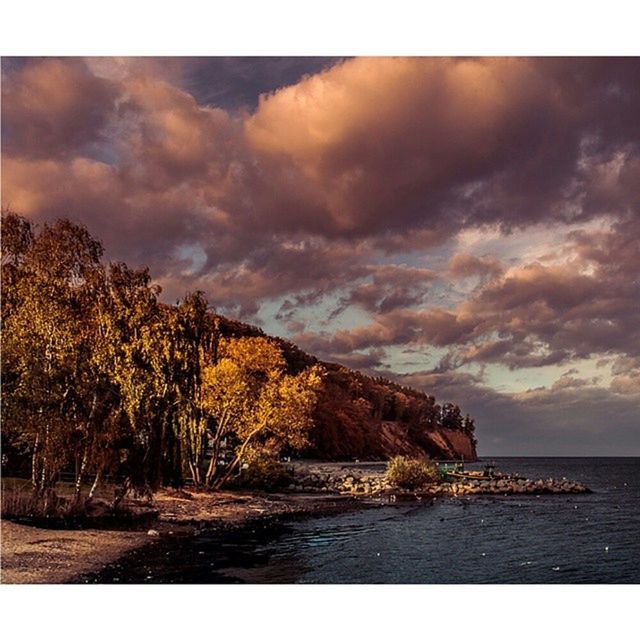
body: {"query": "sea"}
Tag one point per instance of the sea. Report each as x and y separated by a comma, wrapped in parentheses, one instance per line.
(516, 539)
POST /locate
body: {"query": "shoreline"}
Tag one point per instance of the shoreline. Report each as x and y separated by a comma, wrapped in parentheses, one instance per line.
(38, 555)
(33, 554)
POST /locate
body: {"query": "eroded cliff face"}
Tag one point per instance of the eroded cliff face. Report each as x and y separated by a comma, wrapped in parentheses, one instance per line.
(360, 417)
(453, 445)
(371, 418)
(445, 444)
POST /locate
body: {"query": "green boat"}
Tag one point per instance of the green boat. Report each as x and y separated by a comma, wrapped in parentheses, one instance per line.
(451, 472)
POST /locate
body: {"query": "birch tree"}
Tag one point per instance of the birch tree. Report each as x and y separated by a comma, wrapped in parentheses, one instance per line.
(255, 403)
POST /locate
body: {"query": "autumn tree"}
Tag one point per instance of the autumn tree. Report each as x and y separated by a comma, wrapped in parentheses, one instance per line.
(78, 343)
(127, 324)
(254, 402)
(188, 343)
(42, 338)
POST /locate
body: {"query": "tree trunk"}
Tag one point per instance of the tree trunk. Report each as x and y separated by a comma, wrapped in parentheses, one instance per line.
(94, 486)
(227, 474)
(44, 479)
(80, 476)
(121, 493)
(213, 463)
(34, 463)
(211, 471)
(195, 473)
(85, 450)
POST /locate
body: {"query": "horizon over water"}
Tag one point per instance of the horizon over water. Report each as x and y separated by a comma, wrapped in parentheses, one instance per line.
(586, 538)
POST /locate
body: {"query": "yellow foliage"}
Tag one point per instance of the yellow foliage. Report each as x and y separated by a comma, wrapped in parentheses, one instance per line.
(253, 354)
(273, 406)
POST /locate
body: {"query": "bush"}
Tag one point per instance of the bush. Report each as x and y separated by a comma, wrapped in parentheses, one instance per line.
(21, 503)
(265, 472)
(411, 473)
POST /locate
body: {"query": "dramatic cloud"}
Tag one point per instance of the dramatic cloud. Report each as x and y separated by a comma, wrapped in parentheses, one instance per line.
(52, 109)
(452, 221)
(384, 143)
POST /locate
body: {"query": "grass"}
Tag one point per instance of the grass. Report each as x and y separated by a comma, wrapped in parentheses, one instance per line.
(18, 503)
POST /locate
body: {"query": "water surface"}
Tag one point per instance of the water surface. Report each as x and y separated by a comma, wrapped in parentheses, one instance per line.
(592, 538)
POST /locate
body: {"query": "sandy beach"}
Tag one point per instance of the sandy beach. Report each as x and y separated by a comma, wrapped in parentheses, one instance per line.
(32, 555)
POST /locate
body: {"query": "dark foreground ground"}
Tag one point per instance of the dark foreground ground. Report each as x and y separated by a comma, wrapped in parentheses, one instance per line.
(36, 555)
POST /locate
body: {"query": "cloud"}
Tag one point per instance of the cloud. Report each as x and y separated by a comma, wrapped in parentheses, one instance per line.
(464, 265)
(441, 144)
(403, 152)
(529, 316)
(626, 375)
(388, 287)
(54, 109)
(365, 207)
(569, 420)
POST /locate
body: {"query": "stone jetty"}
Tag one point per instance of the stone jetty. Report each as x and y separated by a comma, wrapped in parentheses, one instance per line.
(367, 481)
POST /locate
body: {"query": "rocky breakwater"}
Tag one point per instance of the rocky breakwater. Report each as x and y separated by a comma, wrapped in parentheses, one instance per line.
(509, 486)
(371, 481)
(354, 481)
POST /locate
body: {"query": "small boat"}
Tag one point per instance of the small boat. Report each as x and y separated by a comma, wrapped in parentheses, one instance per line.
(457, 472)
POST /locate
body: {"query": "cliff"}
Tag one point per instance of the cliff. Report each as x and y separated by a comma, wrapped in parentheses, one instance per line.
(361, 417)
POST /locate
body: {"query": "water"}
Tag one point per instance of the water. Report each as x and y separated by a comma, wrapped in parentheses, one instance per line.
(592, 538)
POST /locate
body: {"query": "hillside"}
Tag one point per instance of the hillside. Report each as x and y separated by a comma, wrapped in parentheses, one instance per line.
(358, 416)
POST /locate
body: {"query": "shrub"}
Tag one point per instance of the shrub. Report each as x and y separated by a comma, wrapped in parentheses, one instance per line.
(265, 472)
(411, 473)
(20, 503)
(57, 512)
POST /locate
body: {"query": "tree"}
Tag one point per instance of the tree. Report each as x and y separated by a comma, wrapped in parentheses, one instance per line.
(43, 341)
(188, 344)
(127, 326)
(254, 403)
(451, 418)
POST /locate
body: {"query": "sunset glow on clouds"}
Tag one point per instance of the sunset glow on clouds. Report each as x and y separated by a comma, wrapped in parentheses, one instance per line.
(468, 226)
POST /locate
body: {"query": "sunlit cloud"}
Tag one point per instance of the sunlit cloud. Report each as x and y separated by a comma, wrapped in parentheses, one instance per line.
(471, 224)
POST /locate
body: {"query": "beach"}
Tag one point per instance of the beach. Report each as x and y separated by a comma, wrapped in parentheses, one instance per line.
(37, 555)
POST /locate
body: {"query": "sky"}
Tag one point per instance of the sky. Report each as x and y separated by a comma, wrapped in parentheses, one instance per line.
(466, 226)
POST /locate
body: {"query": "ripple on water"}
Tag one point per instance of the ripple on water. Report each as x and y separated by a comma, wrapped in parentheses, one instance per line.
(484, 539)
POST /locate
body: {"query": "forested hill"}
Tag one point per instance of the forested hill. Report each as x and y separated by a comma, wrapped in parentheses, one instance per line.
(102, 378)
(358, 416)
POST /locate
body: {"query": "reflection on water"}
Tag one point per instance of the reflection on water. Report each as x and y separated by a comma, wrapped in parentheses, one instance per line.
(516, 539)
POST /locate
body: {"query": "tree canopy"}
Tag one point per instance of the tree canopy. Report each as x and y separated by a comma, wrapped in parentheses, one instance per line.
(101, 379)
